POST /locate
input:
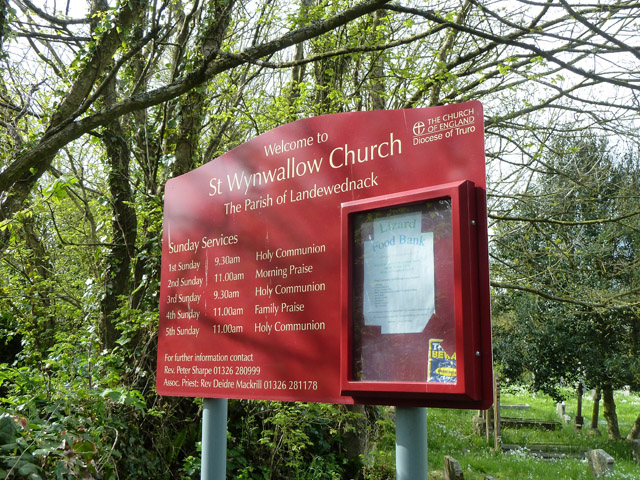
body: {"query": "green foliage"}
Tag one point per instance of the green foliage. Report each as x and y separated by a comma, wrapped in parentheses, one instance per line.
(79, 420)
(290, 441)
(58, 189)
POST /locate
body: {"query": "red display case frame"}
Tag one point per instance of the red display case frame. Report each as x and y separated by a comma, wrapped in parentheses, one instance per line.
(465, 222)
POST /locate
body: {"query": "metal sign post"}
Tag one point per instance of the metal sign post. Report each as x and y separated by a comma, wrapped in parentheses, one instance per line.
(214, 439)
(411, 443)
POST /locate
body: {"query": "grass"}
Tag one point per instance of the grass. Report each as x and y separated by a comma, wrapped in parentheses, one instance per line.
(450, 432)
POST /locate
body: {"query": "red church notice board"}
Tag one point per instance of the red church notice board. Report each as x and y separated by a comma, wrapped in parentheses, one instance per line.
(340, 258)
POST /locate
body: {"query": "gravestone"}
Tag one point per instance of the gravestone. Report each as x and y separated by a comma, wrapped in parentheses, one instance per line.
(635, 450)
(600, 462)
(452, 469)
(479, 424)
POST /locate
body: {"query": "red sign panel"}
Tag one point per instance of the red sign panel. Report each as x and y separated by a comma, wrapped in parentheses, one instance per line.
(329, 260)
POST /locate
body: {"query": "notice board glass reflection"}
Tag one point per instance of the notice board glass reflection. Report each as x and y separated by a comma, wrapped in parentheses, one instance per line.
(403, 323)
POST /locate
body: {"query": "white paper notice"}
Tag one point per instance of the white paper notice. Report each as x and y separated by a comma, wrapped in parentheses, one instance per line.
(399, 275)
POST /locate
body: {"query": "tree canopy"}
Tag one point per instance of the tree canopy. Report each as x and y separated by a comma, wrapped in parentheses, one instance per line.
(575, 232)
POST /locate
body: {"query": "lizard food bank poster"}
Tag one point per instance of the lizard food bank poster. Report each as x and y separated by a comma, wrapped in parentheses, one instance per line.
(251, 287)
(396, 285)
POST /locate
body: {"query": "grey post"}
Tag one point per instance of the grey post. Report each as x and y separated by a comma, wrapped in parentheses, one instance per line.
(214, 439)
(411, 443)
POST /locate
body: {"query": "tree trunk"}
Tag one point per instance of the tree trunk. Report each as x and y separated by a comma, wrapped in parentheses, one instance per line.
(356, 439)
(634, 433)
(192, 107)
(376, 82)
(443, 55)
(298, 71)
(595, 413)
(579, 420)
(124, 227)
(609, 412)
(39, 269)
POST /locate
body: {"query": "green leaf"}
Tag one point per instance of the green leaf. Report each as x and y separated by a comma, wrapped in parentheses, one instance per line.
(85, 446)
(29, 469)
(8, 430)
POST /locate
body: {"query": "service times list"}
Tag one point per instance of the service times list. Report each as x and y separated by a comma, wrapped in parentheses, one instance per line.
(216, 301)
